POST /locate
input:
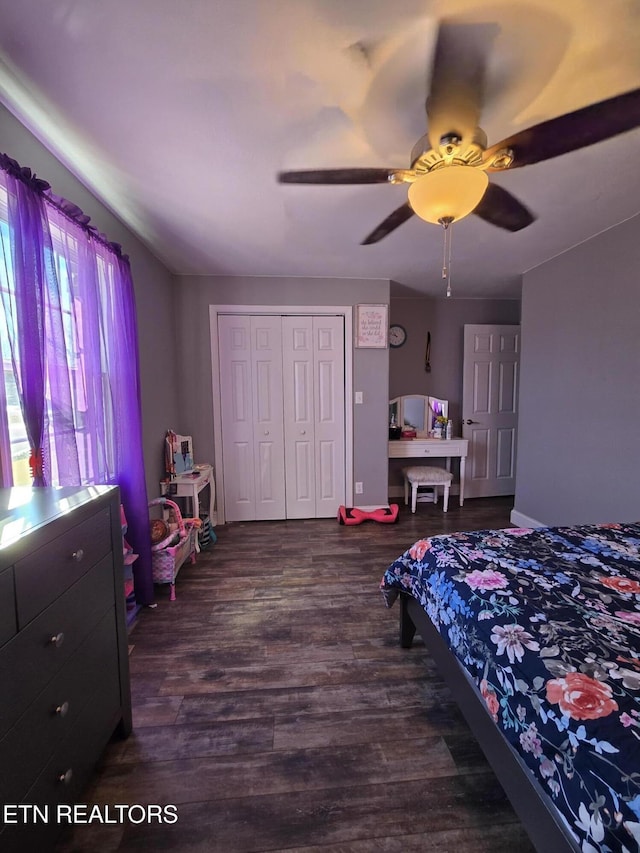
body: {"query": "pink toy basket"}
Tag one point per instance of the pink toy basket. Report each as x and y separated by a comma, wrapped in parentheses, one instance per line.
(168, 555)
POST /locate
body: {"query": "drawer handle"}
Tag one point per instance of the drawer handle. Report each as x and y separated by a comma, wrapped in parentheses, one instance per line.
(78, 555)
(65, 778)
(63, 709)
(57, 640)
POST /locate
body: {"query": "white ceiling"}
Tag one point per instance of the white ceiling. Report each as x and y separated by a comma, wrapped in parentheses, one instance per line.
(179, 113)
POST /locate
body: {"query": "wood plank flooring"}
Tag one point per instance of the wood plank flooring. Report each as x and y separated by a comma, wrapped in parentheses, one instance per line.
(275, 708)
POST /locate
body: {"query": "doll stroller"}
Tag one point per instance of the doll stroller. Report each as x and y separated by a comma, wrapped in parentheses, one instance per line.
(178, 543)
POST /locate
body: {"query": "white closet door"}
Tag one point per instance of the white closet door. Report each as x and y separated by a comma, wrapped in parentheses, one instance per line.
(299, 416)
(234, 350)
(250, 354)
(268, 430)
(328, 334)
(313, 375)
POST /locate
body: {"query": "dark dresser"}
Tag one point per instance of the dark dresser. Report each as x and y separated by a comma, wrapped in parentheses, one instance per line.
(64, 670)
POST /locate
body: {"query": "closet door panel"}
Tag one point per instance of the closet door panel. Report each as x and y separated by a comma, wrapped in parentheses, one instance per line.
(234, 351)
(304, 479)
(328, 334)
(299, 428)
(243, 477)
(268, 432)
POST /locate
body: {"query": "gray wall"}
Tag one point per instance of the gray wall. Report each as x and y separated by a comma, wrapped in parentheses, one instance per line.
(153, 290)
(370, 366)
(445, 319)
(579, 422)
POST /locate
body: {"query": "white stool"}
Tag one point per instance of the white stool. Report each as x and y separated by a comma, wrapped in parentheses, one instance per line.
(424, 475)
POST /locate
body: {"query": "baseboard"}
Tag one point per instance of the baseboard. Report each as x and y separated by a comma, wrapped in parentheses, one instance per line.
(522, 520)
(398, 491)
(370, 507)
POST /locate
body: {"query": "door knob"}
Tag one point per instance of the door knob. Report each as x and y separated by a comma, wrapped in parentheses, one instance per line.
(469, 422)
(266, 432)
(303, 432)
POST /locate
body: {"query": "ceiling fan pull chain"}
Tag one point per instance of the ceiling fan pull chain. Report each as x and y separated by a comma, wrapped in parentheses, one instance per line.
(446, 253)
(449, 235)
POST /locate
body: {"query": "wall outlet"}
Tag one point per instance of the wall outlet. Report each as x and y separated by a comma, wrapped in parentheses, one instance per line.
(358, 398)
(358, 488)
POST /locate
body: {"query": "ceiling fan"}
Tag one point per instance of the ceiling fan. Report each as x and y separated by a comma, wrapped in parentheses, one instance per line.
(449, 165)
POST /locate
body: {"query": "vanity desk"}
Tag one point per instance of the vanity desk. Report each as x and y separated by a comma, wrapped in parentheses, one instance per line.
(433, 448)
(419, 413)
(189, 485)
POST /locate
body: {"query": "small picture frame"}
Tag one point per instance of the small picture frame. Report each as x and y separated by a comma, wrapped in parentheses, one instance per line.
(372, 326)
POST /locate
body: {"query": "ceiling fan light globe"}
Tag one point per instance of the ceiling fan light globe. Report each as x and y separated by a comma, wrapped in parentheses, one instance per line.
(449, 193)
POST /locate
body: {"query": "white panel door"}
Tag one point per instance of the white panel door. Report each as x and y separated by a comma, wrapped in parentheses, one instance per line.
(314, 416)
(328, 336)
(268, 426)
(250, 355)
(490, 408)
(234, 350)
(299, 416)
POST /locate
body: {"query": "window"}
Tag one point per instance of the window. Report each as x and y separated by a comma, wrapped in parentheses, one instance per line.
(69, 347)
(72, 401)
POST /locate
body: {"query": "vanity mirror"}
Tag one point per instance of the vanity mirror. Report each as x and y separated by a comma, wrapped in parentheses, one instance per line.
(418, 411)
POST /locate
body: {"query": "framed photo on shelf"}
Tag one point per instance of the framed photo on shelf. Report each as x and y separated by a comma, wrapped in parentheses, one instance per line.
(372, 326)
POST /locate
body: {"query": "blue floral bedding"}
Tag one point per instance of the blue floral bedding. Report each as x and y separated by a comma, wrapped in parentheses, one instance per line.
(547, 622)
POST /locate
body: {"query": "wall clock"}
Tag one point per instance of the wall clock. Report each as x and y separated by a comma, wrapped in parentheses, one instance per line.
(397, 335)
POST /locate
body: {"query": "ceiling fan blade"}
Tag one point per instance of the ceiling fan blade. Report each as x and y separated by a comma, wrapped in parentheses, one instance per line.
(502, 209)
(457, 80)
(393, 221)
(337, 176)
(572, 131)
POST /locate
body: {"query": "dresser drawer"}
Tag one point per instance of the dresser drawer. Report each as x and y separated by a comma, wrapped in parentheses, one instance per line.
(68, 770)
(8, 623)
(46, 573)
(34, 656)
(53, 714)
(437, 448)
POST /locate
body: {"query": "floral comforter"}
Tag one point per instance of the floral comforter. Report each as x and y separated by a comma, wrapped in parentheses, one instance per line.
(547, 622)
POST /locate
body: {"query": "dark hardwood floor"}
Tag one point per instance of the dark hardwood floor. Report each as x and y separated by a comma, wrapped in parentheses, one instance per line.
(275, 708)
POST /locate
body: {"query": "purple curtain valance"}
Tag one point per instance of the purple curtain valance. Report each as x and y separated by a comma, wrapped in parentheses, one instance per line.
(68, 208)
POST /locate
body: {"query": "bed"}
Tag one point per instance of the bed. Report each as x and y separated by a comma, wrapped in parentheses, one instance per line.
(537, 632)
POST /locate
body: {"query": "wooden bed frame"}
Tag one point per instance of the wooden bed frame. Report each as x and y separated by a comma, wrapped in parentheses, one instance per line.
(534, 807)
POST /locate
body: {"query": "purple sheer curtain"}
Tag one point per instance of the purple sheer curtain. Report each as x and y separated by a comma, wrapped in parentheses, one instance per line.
(73, 323)
(106, 386)
(25, 308)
